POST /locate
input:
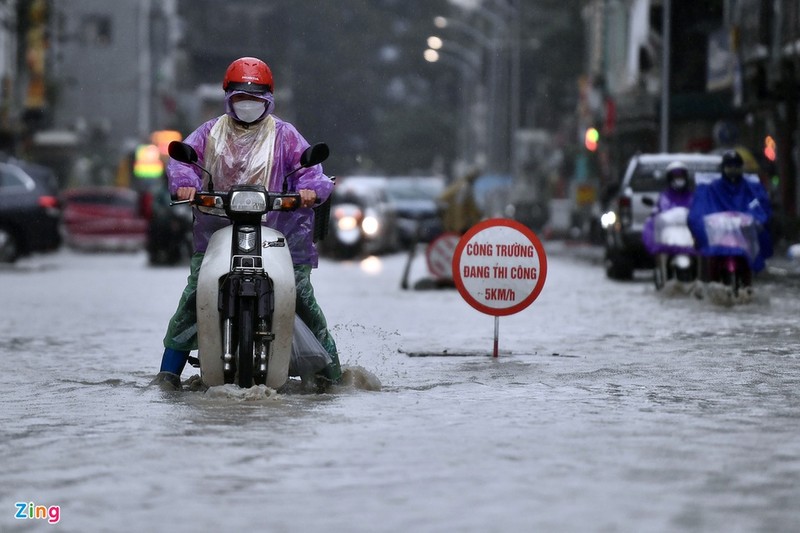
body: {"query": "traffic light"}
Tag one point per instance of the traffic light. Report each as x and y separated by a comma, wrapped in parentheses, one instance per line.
(591, 138)
(769, 148)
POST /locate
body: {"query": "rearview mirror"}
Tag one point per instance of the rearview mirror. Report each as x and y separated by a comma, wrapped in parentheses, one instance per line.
(182, 152)
(314, 155)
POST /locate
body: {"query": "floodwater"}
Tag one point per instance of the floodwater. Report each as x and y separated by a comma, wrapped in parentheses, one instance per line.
(610, 408)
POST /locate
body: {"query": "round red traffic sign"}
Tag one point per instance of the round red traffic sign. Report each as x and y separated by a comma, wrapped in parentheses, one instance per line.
(439, 254)
(499, 267)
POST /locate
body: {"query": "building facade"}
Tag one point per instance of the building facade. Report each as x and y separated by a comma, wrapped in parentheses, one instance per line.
(89, 79)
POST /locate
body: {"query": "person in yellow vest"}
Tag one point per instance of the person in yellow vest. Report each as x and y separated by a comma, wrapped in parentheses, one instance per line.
(460, 210)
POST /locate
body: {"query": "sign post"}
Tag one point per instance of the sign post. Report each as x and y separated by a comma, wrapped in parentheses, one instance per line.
(499, 268)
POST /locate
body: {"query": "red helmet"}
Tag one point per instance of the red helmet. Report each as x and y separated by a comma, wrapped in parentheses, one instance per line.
(248, 74)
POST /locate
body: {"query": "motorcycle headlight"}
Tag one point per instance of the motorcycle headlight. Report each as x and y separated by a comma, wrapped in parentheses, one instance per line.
(248, 202)
(246, 238)
(682, 261)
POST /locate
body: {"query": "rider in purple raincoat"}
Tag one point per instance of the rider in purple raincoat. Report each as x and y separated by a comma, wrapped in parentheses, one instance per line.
(677, 194)
(248, 145)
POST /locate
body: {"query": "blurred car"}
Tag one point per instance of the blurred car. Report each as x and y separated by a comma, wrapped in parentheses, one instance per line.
(645, 177)
(415, 201)
(104, 218)
(361, 219)
(169, 230)
(30, 213)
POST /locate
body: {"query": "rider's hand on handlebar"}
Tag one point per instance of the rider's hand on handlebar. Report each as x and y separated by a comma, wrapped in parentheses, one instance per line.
(307, 197)
(185, 193)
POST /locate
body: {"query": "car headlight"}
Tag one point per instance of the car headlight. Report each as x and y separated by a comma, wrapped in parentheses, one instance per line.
(347, 223)
(608, 219)
(246, 238)
(248, 202)
(347, 217)
(370, 225)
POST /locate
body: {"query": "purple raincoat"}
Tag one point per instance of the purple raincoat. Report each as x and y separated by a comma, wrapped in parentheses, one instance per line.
(238, 154)
(668, 199)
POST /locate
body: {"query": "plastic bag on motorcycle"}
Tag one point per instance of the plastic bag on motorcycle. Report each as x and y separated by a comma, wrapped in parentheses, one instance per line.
(308, 355)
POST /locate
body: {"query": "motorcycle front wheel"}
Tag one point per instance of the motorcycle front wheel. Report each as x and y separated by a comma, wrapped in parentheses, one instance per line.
(660, 272)
(245, 351)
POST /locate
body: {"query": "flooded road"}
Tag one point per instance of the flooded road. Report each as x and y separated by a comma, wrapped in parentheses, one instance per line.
(611, 408)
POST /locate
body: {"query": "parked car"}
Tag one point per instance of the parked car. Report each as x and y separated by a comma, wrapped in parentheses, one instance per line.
(645, 176)
(361, 219)
(415, 200)
(169, 231)
(104, 219)
(30, 213)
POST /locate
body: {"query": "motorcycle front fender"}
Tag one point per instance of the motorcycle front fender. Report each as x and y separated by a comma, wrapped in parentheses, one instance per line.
(277, 262)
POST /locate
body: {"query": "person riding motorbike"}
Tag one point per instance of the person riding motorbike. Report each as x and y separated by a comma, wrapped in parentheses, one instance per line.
(732, 192)
(248, 144)
(678, 193)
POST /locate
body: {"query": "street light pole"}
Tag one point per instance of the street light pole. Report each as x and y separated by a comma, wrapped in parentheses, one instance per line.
(481, 111)
(503, 116)
(515, 87)
(503, 119)
(145, 69)
(665, 67)
(444, 23)
(499, 29)
(469, 67)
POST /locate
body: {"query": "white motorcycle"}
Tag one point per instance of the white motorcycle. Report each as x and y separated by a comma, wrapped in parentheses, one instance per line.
(676, 257)
(246, 290)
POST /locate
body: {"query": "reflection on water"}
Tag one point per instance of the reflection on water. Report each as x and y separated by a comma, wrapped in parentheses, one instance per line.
(371, 265)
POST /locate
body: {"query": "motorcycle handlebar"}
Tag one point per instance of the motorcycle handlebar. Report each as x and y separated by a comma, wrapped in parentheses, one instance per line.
(318, 201)
(218, 204)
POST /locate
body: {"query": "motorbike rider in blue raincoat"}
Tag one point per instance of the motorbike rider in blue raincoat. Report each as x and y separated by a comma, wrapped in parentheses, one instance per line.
(678, 193)
(248, 145)
(732, 192)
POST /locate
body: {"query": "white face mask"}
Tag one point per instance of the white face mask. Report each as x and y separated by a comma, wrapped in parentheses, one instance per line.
(249, 110)
(678, 183)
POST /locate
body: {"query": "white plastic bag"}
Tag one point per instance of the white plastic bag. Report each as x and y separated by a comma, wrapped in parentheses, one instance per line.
(671, 228)
(308, 355)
